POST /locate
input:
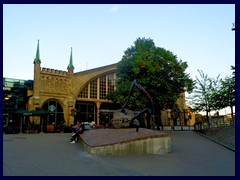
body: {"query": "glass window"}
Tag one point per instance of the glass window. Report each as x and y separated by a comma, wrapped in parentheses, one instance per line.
(56, 112)
(93, 89)
(103, 87)
(110, 82)
(106, 85)
(86, 112)
(84, 92)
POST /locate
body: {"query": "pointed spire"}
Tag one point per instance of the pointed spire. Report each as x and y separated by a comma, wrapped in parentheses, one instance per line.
(37, 58)
(70, 65)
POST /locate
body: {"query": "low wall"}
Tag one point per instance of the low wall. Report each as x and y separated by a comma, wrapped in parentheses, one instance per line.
(156, 145)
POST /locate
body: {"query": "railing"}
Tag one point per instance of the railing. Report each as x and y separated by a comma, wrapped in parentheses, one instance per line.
(191, 128)
(177, 128)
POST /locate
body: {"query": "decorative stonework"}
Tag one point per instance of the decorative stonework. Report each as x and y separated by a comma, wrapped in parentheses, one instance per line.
(65, 87)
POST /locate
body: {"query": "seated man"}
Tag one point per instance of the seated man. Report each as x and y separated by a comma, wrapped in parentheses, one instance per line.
(78, 129)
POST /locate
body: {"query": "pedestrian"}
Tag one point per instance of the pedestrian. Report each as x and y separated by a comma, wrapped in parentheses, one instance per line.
(77, 129)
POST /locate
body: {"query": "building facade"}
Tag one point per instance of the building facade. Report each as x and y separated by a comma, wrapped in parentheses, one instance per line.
(69, 96)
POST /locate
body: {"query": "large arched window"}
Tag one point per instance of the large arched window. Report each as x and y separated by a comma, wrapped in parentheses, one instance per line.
(99, 87)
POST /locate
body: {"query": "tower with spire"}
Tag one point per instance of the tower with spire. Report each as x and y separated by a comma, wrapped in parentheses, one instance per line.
(37, 58)
(70, 65)
(71, 100)
(61, 89)
(37, 70)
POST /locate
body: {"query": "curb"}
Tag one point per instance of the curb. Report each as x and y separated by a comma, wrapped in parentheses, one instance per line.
(218, 142)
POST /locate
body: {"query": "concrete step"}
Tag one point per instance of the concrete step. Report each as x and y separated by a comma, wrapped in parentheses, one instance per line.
(126, 141)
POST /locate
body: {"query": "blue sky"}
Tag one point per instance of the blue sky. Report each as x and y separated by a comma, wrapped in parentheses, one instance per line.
(99, 34)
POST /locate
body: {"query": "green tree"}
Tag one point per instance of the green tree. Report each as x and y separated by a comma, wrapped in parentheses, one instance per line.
(225, 97)
(157, 70)
(203, 94)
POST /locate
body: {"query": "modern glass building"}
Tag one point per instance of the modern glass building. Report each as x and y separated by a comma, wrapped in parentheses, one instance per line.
(16, 93)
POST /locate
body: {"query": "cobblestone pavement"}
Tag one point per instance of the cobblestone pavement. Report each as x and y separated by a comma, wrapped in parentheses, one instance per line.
(53, 155)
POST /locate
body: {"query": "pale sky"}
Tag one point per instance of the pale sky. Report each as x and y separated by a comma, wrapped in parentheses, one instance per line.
(99, 34)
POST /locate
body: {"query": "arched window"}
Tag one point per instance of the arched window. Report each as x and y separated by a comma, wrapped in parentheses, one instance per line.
(93, 89)
(106, 85)
(102, 87)
(56, 116)
(84, 92)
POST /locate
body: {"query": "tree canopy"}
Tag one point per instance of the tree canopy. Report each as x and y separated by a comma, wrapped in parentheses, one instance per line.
(213, 94)
(155, 69)
(225, 96)
(204, 90)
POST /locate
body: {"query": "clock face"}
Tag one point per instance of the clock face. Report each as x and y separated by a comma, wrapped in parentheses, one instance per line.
(51, 108)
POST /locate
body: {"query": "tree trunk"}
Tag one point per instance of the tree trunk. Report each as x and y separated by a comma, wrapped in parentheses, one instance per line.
(207, 117)
(232, 113)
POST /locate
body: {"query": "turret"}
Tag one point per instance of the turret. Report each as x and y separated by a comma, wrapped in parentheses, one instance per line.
(37, 58)
(71, 99)
(70, 65)
(37, 70)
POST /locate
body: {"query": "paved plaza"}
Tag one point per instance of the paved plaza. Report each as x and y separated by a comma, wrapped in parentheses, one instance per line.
(53, 155)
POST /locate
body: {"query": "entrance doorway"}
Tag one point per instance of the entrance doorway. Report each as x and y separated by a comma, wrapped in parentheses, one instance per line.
(55, 120)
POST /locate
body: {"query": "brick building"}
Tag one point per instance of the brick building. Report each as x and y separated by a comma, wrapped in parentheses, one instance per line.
(69, 95)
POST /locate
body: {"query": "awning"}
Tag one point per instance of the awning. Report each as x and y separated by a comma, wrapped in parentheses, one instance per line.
(31, 113)
(21, 111)
(39, 112)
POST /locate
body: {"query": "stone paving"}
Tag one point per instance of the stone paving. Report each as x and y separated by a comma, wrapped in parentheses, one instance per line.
(222, 135)
(53, 155)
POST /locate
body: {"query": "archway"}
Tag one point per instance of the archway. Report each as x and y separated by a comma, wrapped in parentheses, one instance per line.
(55, 121)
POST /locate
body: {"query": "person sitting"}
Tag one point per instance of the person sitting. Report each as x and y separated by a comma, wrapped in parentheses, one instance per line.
(78, 129)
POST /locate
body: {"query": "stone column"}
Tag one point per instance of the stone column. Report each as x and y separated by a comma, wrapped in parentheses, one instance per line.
(71, 105)
(98, 103)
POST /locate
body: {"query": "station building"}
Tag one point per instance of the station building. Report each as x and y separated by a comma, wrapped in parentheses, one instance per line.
(68, 95)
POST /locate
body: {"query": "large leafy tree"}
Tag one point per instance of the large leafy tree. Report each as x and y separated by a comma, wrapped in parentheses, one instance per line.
(155, 69)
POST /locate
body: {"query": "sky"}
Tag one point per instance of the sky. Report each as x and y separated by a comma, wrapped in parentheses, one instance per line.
(200, 34)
